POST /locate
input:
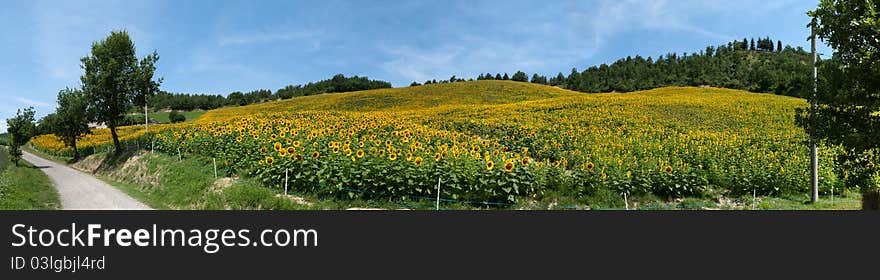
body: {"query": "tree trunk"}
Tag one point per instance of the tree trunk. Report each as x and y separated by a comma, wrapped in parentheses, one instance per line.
(871, 200)
(115, 138)
(75, 151)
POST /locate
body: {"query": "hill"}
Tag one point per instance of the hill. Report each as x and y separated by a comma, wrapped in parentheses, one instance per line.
(408, 98)
(510, 142)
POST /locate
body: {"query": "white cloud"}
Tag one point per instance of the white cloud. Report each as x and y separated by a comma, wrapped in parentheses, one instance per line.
(34, 103)
(313, 37)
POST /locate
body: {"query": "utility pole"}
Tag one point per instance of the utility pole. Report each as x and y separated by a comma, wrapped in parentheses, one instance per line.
(814, 155)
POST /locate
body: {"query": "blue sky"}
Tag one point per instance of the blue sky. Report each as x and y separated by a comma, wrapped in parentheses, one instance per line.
(223, 46)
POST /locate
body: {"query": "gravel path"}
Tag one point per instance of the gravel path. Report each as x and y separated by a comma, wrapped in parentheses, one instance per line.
(81, 191)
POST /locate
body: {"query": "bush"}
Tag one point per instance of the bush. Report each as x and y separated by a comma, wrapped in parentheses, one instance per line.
(176, 117)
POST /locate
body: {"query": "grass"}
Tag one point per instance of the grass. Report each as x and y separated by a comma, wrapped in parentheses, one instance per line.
(162, 117)
(25, 187)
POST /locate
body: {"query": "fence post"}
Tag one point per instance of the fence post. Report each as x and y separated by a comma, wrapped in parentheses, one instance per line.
(832, 195)
(178, 154)
(438, 193)
(754, 198)
(285, 180)
(625, 202)
(215, 167)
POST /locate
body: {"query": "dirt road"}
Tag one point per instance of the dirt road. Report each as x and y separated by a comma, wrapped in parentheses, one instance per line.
(81, 191)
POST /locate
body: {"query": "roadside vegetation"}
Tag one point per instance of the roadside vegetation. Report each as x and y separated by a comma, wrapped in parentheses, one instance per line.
(25, 187)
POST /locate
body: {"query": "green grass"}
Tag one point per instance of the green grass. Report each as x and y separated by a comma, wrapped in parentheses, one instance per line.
(162, 117)
(25, 187)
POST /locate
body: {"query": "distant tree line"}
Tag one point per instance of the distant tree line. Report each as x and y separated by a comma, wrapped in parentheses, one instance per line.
(189, 102)
(753, 65)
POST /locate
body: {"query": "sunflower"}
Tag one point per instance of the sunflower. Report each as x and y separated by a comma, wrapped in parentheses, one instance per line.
(409, 156)
(315, 154)
(668, 169)
(273, 136)
(238, 139)
(282, 152)
(289, 142)
(381, 153)
(418, 161)
(263, 150)
(282, 134)
(296, 143)
(298, 157)
(490, 165)
(392, 156)
(256, 137)
(590, 166)
(335, 150)
(360, 153)
(526, 160)
(291, 150)
(508, 166)
(269, 160)
(437, 157)
(277, 146)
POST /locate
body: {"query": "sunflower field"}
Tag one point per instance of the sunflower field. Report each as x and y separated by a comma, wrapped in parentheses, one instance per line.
(503, 141)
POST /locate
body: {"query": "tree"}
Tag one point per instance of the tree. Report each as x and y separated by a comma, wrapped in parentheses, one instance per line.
(752, 47)
(176, 117)
(778, 46)
(745, 45)
(71, 121)
(415, 84)
(114, 80)
(520, 76)
(46, 124)
(20, 128)
(497, 76)
(505, 77)
(848, 98)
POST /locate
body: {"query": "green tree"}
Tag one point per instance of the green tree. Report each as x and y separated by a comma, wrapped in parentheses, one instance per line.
(848, 99)
(176, 117)
(114, 80)
(20, 128)
(520, 76)
(71, 121)
(778, 46)
(46, 124)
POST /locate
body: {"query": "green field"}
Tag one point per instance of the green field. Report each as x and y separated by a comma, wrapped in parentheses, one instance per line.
(162, 117)
(25, 187)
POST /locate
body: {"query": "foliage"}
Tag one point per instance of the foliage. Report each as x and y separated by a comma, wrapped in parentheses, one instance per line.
(114, 79)
(762, 68)
(71, 121)
(176, 117)
(848, 99)
(339, 83)
(20, 128)
(186, 102)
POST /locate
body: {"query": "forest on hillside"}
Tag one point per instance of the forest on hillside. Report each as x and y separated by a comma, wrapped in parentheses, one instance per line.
(751, 65)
